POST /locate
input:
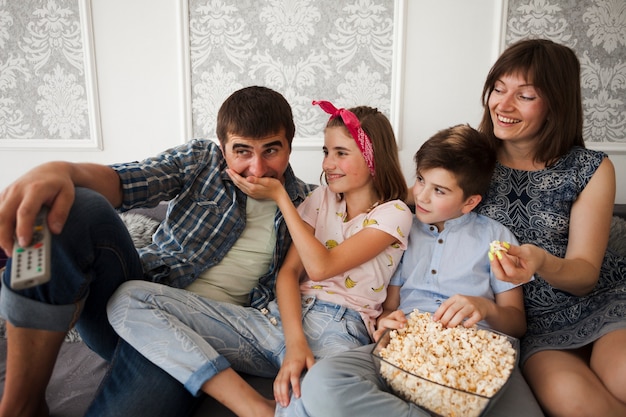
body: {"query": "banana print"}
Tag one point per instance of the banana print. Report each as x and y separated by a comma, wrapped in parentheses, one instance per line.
(369, 222)
(399, 207)
(390, 259)
(317, 287)
(331, 244)
(379, 289)
(399, 231)
(350, 283)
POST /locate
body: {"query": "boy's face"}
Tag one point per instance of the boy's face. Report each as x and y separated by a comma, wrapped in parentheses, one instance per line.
(258, 157)
(438, 197)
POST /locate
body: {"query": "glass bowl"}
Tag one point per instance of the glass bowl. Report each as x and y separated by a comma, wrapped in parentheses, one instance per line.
(463, 381)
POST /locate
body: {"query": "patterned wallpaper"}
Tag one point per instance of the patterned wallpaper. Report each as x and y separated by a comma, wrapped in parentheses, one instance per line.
(342, 51)
(43, 83)
(596, 31)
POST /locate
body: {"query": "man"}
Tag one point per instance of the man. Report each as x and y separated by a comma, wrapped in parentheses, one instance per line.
(202, 245)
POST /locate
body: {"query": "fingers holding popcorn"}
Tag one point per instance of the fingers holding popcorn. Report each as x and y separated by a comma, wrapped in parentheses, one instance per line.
(513, 264)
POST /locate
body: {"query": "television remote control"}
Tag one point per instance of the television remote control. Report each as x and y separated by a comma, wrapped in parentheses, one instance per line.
(30, 265)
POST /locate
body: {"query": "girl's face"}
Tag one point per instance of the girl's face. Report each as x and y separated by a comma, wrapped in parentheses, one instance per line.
(517, 110)
(344, 166)
(438, 197)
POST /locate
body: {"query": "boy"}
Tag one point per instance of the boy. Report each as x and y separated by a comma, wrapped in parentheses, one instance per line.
(445, 271)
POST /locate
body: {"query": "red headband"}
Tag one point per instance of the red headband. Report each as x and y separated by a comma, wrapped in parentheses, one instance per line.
(354, 127)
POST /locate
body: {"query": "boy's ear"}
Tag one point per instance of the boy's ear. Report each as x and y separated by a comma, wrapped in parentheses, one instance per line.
(471, 202)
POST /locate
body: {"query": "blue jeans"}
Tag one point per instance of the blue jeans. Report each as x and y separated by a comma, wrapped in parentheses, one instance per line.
(93, 256)
(194, 338)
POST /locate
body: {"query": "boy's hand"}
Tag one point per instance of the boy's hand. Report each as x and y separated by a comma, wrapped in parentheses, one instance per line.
(462, 309)
(259, 188)
(288, 378)
(394, 320)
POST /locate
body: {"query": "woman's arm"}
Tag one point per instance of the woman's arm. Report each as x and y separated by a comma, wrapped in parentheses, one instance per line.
(590, 222)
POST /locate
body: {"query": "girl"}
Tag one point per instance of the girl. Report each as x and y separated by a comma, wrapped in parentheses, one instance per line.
(348, 235)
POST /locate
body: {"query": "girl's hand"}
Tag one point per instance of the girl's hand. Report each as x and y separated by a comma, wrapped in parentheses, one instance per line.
(264, 188)
(518, 264)
(394, 320)
(296, 360)
(461, 309)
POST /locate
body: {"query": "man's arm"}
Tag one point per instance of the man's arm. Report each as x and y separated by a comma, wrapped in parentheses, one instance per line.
(51, 184)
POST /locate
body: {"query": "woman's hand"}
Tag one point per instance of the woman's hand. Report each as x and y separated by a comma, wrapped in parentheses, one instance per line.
(297, 359)
(518, 264)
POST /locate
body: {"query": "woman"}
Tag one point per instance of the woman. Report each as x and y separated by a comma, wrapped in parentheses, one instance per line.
(557, 198)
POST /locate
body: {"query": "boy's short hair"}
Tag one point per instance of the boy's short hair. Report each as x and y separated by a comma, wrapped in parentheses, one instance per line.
(255, 112)
(465, 152)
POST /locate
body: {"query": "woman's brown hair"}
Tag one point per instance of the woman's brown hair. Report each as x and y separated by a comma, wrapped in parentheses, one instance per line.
(554, 71)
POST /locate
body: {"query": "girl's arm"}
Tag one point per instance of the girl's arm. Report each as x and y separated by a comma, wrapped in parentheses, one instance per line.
(590, 223)
(319, 262)
(298, 355)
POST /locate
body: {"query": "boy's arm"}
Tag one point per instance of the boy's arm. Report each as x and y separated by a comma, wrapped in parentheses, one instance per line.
(509, 315)
(391, 317)
(505, 315)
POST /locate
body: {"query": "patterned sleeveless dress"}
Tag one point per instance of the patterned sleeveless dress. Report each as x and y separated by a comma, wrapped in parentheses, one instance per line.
(536, 206)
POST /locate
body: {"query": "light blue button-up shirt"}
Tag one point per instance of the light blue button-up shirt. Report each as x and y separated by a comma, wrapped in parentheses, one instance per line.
(438, 265)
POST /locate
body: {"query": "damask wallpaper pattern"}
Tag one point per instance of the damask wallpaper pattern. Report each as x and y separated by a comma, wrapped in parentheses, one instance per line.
(43, 86)
(341, 51)
(596, 31)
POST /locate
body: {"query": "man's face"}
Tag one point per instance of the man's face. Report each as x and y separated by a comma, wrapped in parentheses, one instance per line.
(258, 157)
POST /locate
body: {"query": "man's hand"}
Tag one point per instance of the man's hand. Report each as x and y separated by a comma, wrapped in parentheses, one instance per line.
(48, 184)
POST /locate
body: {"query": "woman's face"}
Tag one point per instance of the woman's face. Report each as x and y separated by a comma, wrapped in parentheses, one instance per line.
(517, 110)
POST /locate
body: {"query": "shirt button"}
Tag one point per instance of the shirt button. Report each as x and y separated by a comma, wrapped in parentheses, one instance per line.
(440, 241)
(433, 271)
(309, 299)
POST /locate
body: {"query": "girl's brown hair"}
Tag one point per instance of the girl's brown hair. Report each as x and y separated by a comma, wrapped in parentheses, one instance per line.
(389, 182)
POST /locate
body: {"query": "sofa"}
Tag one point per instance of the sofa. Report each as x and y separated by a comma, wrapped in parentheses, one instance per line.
(78, 371)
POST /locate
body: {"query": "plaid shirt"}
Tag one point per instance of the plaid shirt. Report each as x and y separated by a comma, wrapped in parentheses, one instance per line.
(205, 216)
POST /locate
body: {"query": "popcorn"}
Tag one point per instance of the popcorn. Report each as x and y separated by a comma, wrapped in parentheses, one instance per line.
(462, 368)
(498, 245)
